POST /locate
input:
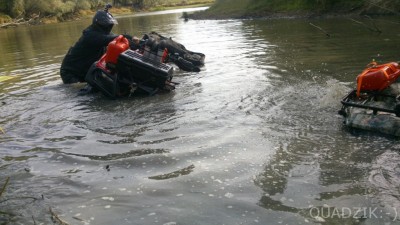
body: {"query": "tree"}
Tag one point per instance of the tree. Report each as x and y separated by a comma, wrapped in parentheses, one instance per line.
(16, 8)
(123, 2)
(4, 6)
(95, 4)
(138, 4)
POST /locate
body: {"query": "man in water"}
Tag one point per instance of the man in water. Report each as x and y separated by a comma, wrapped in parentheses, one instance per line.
(90, 47)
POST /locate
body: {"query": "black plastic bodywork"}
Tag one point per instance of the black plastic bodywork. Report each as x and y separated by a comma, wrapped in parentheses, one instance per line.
(134, 72)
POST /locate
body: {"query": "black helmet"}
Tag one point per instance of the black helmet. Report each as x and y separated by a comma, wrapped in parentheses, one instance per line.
(104, 19)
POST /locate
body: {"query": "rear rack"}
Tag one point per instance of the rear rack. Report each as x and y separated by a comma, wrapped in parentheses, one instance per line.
(351, 100)
(149, 58)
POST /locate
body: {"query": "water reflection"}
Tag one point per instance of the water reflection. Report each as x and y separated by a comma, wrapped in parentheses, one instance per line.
(124, 155)
(318, 168)
(304, 49)
(181, 172)
(317, 165)
(385, 177)
(299, 180)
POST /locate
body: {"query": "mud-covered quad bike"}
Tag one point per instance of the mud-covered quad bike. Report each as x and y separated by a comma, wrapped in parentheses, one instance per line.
(124, 70)
(375, 104)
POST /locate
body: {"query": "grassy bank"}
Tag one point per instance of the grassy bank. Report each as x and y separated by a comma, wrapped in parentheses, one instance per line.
(272, 8)
(43, 14)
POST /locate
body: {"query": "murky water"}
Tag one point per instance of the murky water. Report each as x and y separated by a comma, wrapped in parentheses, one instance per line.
(252, 139)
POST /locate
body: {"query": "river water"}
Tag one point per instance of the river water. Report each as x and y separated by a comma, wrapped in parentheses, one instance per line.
(254, 138)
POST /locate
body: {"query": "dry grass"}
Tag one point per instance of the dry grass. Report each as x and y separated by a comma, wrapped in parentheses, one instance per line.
(122, 10)
(4, 18)
(49, 20)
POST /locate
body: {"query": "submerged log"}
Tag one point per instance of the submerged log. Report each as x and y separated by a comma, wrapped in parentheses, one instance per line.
(15, 23)
(21, 21)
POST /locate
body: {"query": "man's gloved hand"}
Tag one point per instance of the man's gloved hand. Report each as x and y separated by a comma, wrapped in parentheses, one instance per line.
(136, 40)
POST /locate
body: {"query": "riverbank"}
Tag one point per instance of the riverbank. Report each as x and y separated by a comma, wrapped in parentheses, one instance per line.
(210, 15)
(245, 9)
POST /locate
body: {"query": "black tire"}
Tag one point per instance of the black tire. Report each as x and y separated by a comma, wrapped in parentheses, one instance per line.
(186, 65)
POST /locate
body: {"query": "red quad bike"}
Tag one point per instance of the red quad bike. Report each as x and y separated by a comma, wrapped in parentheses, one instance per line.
(123, 71)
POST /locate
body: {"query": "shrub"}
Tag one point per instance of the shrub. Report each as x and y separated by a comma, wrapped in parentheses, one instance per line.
(16, 8)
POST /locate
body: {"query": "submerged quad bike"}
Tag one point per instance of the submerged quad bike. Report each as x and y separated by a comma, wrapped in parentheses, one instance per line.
(124, 70)
(375, 104)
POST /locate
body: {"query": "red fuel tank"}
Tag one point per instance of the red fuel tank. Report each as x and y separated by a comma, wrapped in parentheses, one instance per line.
(377, 77)
(115, 48)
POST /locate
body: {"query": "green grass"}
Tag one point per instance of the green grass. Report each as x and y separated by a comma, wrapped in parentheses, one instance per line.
(224, 8)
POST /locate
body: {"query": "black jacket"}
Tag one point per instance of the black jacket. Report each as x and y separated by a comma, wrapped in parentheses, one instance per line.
(88, 49)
